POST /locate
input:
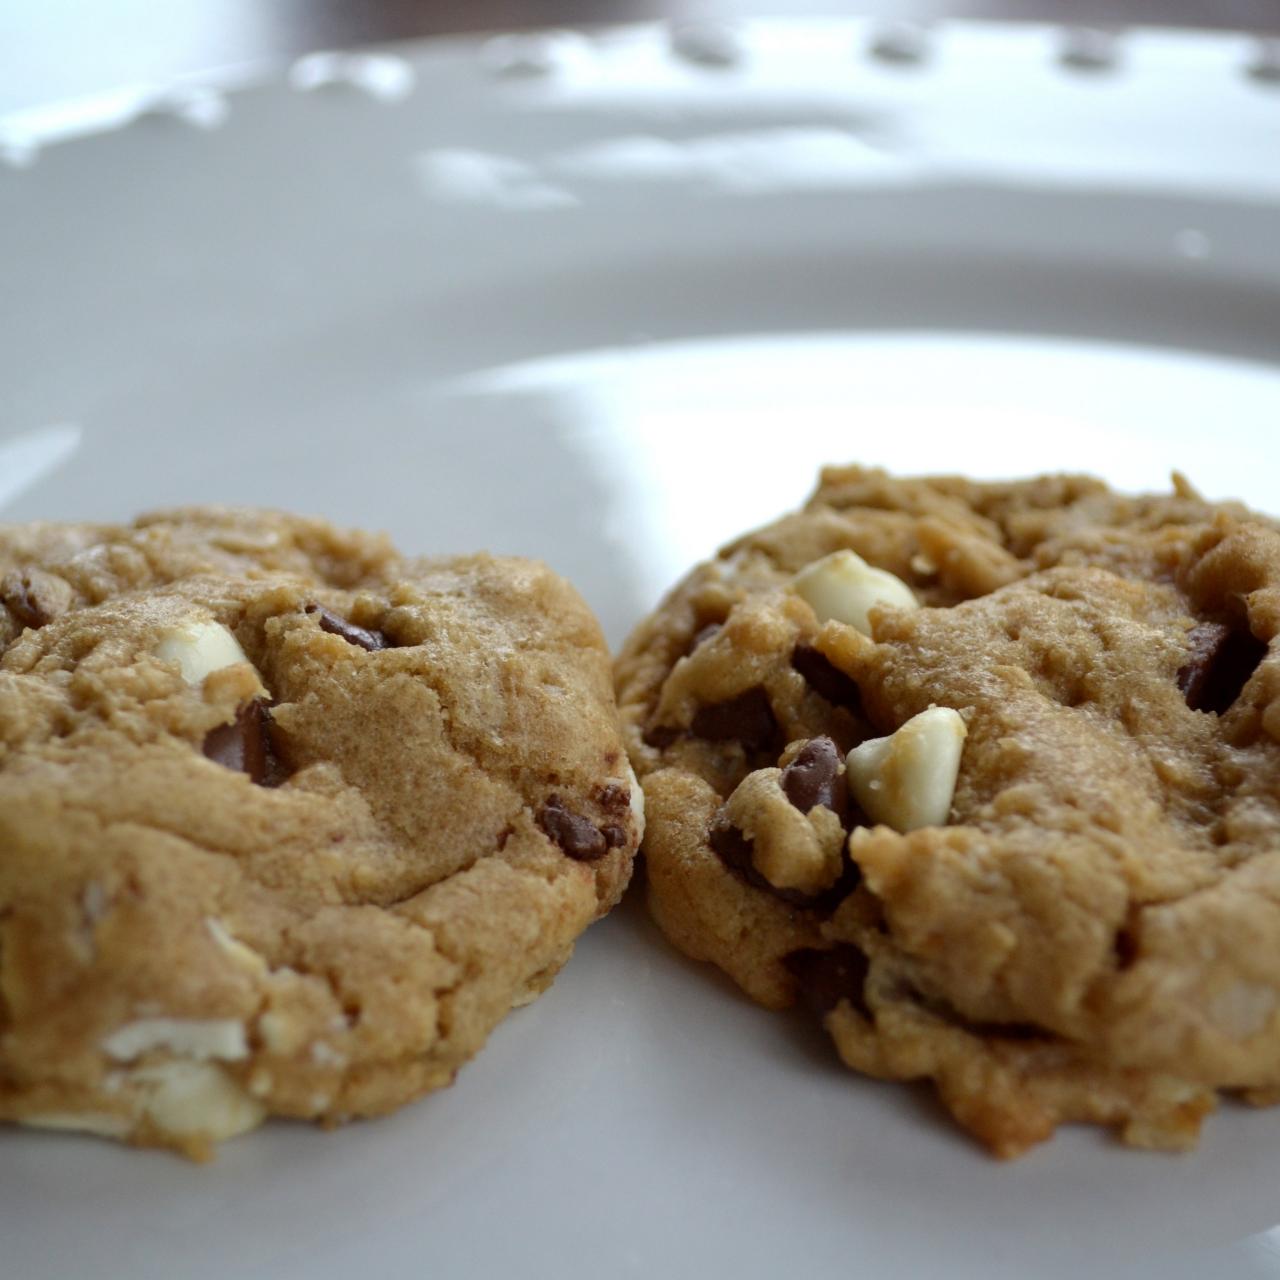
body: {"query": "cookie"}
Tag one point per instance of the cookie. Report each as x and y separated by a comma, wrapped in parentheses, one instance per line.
(988, 775)
(288, 822)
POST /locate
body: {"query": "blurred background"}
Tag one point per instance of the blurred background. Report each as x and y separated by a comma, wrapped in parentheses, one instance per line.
(53, 49)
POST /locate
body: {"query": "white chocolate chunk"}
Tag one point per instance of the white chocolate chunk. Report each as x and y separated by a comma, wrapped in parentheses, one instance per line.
(844, 587)
(637, 801)
(907, 780)
(1243, 1009)
(325, 1055)
(102, 1123)
(197, 1038)
(195, 1099)
(234, 948)
(198, 647)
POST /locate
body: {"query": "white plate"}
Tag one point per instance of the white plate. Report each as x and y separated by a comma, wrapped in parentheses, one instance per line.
(608, 299)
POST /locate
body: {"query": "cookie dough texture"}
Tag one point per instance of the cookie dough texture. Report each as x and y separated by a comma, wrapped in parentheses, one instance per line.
(288, 822)
(1093, 933)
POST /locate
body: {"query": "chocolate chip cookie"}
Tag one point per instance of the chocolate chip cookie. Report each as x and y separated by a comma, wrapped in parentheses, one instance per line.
(988, 775)
(288, 822)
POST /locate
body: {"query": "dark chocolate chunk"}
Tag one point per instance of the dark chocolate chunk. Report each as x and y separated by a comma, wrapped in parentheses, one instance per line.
(850, 877)
(33, 597)
(1205, 642)
(738, 854)
(747, 719)
(827, 977)
(735, 851)
(336, 626)
(578, 837)
(813, 778)
(1221, 662)
(826, 679)
(24, 606)
(248, 745)
(614, 799)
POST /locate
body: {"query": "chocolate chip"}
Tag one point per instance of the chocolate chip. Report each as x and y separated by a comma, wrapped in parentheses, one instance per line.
(580, 839)
(850, 877)
(614, 799)
(1221, 662)
(248, 745)
(827, 977)
(336, 626)
(747, 719)
(33, 597)
(813, 778)
(735, 851)
(1205, 642)
(21, 602)
(738, 854)
(825, 678)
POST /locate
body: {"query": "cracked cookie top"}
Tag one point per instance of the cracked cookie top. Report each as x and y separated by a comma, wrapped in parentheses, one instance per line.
(1044, 867)
(288, 821)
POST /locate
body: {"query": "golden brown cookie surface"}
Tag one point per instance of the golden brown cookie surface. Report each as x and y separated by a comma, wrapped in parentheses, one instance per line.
(288, 822)
(1048, 716)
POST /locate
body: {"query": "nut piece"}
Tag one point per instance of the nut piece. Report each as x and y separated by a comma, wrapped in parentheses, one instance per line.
(199, 647)
(845, 587)
(907, 779)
